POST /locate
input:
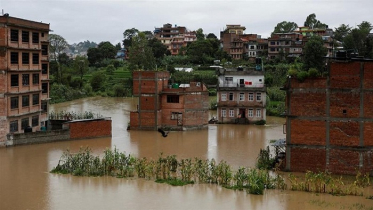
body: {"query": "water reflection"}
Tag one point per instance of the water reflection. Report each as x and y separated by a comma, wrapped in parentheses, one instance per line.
(26, 184)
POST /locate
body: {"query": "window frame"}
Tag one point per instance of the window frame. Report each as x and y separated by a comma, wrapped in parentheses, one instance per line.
(14, 35)
(35, 58)
(44, 87)
(25, 58)
(13, 81)
(250, 113)
(251, 96)
(173, 99)
(35, 99)
(25, 101)
(13, 126)
(24, 123)
(44, 68)
(258, 96)
(14, 57)
(223, 96)
(231, 112)
(242, 96)
(34, 120)
(231, 97)
(24, 35)
(25, 79)
(35, 79)
(35, 37)
(14, 102)
(258, 112)
(44, 49)
(223, 112)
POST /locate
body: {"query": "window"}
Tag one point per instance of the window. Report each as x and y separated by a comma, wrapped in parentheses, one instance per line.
(258, 96)
(24, 123)
(35, 120)
(25, 58)
(258, 112)
(35, 37)
(14, 80)
(14, 35)
(13, 126)
(25, 36)
(25, 79)
(172, 99)
(35, 79)
(231, 96)
(14, 102)
(272, 49)
(231, 113)
(42, 34)
(35, 58)
(273, 43)
(14, 57)
(223, 97)
(251, 113)
(44, 87)
(223, 112)
(44, 68)
(242, 96)
(174, 115)
(35, 99)
(44, 106)
(44, 49)
(25, 101)
(229, 80)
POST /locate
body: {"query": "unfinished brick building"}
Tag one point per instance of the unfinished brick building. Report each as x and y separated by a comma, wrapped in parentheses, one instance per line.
(329, 123)
(174, 107)
(24, 78)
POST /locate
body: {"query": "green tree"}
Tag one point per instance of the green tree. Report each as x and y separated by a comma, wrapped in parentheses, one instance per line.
(140, 54)
(199, 34)
(97, 80)
(94, 56)
(312, 22)
(110, 69)
(341, 32)
(314, 53)
(118, 46)
(211, 36)
(359, 41)
(107, 50)
(285, 27)
(57, 44)
(158, 49)
(127, 35)
(81, 67)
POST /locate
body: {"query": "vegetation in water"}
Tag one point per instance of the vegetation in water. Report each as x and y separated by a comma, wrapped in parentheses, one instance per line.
(170, 170)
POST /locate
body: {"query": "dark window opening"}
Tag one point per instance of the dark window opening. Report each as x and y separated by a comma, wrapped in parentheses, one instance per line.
(14, 57)
(35, 120)
(172, 99)
(44, 87)
(44, 49)
(24, 123)
(25, 36)
(231, 96)
(44, 68)
(44, 106)
(25, 58)
(344, 111)
(35, 99)
(14, 35)
(13, 126)
(35, 58)
(25, 79)
(14, 102)
(35, 37)
(35, 79)
(42, 34)
(25, 101)
(14, 80)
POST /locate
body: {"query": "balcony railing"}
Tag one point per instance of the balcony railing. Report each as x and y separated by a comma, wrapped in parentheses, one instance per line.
(234, 84)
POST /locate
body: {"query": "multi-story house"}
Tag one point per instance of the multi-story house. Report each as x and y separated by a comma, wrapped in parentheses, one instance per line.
(24, 78)
(325, 33)
(178, 107)
(174, 37)
(239, 45)
(241, 96)
(285, 45)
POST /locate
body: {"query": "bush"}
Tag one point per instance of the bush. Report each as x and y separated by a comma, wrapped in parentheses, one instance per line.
(302, 75)
(313, 73)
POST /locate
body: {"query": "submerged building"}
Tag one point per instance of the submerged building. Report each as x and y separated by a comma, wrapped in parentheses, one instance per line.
(329, 123)
(171, 106)
(24, 75)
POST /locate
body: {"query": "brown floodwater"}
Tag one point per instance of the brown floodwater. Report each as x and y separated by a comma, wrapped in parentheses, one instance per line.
(25, 181)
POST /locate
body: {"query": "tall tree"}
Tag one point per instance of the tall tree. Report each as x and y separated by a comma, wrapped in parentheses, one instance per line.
(285, 27)
(127, 35)
(312, 22)
(57, 44)
(140, 54)
(359, 41)
(199, 34)
(314, 53)
(211, 36)
(80, 66)
(341, 32)
(159, 50)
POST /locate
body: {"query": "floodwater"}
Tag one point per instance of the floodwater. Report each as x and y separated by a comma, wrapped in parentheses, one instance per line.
(25, 181)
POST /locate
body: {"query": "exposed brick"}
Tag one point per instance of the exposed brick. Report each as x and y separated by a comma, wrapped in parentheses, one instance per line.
(90, 129)
(308, 132)
(344, 133)
(303, 159)
(343, 161)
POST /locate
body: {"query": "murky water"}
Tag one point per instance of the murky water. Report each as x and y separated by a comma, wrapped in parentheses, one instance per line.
(25, 182)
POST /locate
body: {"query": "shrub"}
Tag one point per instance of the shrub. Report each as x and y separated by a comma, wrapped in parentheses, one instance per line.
(302, 75)
(313, 73)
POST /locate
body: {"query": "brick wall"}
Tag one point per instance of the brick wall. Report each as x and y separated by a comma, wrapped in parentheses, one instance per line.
(315, 106)
(343, 161)
(90, 128)
(368, 134)
(308, 132)
(344, 133)
(303, 159)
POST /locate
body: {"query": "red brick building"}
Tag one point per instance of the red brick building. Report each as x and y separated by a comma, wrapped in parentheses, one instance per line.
(329, 123)
(175, 107)
(24, 78)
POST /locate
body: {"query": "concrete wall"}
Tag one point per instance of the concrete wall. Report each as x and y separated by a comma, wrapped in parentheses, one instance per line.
(38, 137)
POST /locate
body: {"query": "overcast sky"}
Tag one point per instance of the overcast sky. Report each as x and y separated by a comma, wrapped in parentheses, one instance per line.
(106, 20)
